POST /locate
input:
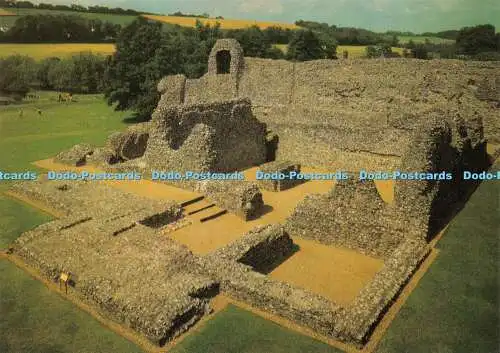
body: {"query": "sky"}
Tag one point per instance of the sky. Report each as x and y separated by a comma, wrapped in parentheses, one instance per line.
(378, 15)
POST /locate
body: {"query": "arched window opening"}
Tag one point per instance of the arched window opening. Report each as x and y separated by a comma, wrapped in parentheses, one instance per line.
(223, 59)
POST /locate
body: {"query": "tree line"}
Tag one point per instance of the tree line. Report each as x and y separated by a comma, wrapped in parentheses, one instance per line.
(474, 43)
(81, 73)
(147, 50)
(350, 35)
(59, 29)
(72, 7)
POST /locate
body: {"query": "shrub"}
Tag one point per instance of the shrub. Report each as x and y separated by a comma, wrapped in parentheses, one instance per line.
(17, 74)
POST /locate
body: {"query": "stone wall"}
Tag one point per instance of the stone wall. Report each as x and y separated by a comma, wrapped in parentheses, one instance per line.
(260, 248)
(242, 198)
(279, 168)
(94, 199)
(351, 324)
(279, 298)
(351, 215)
(439, 146)
(119, 262)
(217, 137)
(376, 297)
(368, 107)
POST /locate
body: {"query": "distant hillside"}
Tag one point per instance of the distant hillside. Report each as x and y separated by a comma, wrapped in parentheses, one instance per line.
(225, 23)
(16, 13)
(422, 39)
(6, 13)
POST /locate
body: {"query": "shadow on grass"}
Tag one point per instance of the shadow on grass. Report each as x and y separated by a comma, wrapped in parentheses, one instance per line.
(135, 118)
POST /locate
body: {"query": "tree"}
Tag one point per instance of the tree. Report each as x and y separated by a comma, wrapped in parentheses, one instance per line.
(329, 46)
(61, 77)
(255, 42)
(376, 51)
(44, 67)
(17, 74)
(419, 52)
(129, 72)
(60, 28)
(305, 45)
(87, 74)
(473, 40)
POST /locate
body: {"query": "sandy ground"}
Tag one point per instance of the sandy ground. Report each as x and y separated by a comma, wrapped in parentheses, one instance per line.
(337, 274)
(493, 151)
(141, 187)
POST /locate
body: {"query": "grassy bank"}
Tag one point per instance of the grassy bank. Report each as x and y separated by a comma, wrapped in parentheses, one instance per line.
(235, 330)
(34, 319)
(455, 307)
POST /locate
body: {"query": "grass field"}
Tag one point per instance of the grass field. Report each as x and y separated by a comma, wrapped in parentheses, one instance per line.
(455, 307)
(117, 19)
(421, 39)
(41, 51)
(6, 13)
(43, 322)
(225, 23)
(31, 137)
(235, 330)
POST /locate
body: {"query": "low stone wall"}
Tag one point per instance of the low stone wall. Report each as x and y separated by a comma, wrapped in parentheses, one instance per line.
(351, 324)
(138, 277)
(76, 156)
(242, 198)
(129, 144)
(279, 298)
(374, 299)
(260, 248)
(119, 262)
(96, 199)
(279, 168)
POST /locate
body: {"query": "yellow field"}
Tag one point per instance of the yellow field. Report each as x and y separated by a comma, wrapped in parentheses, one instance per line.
(6, 13)
(224, 23)
(41, 51)
(359, 51)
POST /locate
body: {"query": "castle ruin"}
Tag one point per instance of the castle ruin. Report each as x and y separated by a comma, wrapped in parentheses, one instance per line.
(352, 115)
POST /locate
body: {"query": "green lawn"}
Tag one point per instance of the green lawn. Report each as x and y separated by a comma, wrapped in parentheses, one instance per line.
(33, 319)
(234, 330)
(455, 307)
(117, 19)
(36, 320)
(29, 137)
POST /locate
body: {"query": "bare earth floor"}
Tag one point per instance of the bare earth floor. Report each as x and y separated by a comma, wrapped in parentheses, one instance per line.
(337, 274)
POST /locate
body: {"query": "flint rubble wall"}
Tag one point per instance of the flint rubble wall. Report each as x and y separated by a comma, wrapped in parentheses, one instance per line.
(217, 137)
(260, 248)
(357, 106)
